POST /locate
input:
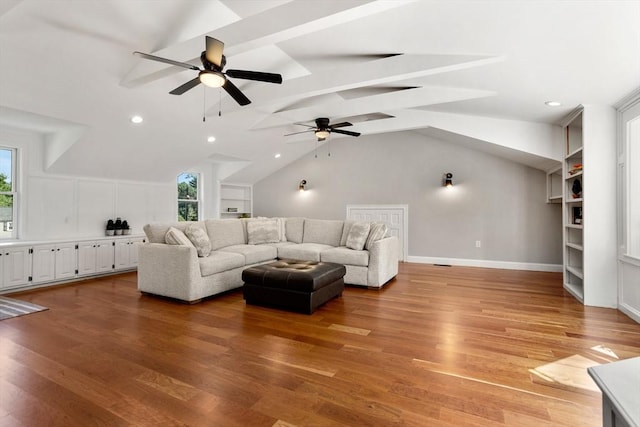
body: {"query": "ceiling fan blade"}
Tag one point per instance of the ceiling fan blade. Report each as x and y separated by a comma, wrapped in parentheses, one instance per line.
(296, 133)
(255, 75)
(214, 51)
(235, 93)
(341, 125)
(185, 87)
(345, 132)
(166, 61)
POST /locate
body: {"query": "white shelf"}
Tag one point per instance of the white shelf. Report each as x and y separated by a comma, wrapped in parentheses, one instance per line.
(238, 197)
(578, 200)
(576, 271)
(575, 246)
(575, 290)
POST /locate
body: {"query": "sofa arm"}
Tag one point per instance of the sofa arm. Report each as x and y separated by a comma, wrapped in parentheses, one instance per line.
(169, 270)
(383, 261)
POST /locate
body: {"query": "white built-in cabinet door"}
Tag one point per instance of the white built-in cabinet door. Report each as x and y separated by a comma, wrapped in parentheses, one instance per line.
(95, 257)
(122, 254)
(53, 262)
(16, 267)
(104, 256)
(126, 253)
(86, 258)
(44, 263)
(66, 260)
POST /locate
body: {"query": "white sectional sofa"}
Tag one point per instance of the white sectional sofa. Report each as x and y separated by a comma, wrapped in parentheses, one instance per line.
(170, 265)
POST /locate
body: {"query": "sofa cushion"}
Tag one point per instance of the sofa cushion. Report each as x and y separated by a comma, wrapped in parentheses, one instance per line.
(282, 229)
(157, 231)
(176, 237)
(345, 231)
(323, 231)
(262, 231)
(199, 238)
(357, 236)
(377, 232)
(253, 253)
(294, 229)
(303, 251)
(344, 255)
(219, 261)
(225, 232)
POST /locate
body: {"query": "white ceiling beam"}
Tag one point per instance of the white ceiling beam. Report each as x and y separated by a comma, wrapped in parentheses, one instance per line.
(540, 139)
(378, 72)
(401, 99)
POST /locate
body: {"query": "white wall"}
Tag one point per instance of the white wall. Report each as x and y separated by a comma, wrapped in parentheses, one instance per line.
(54, 206)
(496, 201)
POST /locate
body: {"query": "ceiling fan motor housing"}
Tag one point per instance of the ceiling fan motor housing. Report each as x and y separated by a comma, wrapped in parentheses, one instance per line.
(207, 65)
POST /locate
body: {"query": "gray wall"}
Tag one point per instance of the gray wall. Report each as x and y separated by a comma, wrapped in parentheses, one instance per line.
(494, 200)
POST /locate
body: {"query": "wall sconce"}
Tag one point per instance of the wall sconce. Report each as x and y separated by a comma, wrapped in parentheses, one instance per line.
(301, 186)
(447, 181)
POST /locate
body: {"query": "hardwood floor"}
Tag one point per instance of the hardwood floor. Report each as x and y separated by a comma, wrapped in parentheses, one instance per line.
(438, 346)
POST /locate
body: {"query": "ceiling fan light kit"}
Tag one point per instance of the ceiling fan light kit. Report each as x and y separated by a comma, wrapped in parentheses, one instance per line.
(322, 134)
(212, 78)
(212, 75)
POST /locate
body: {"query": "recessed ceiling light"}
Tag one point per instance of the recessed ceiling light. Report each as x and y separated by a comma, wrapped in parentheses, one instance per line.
(211, 139)
(553, 103)
(277, 156)
(136, 119)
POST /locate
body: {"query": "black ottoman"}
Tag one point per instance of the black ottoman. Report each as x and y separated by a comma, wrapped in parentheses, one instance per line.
(300, 286)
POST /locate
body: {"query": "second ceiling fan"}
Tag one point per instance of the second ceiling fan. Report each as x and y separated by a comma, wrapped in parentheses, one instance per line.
(323, 129)
(212, 75)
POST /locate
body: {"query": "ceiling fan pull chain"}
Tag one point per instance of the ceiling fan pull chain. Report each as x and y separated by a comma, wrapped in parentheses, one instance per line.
(220, 103)
(204, 103)
(316, 151)
(329, 148)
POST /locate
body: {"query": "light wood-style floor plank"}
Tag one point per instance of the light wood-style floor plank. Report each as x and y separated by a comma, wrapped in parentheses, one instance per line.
(438, 346)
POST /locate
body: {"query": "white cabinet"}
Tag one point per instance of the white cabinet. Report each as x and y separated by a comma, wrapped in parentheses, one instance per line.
(53, 262)
(66, 261)
(126, 252)
(236, 201)
(95, 256)
(15, 266)
(44, 263)
(589, 208)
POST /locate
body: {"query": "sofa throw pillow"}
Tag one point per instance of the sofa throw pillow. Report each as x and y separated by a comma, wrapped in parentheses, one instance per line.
(377, 232)
(176, 237)
(282, 229)
(357, 236)
(200, 240)
(262, 231)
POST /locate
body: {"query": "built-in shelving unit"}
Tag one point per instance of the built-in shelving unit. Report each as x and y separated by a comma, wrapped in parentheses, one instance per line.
(236, 200)
(589, 197)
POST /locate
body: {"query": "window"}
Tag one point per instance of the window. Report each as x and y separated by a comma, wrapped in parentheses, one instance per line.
(188, 197)
(631, 140)
(8, 196)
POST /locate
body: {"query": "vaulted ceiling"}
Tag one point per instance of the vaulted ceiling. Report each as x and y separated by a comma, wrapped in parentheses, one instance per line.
(436, 67)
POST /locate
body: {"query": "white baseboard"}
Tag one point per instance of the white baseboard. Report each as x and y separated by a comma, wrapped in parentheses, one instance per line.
(630, 311)
(507, 265)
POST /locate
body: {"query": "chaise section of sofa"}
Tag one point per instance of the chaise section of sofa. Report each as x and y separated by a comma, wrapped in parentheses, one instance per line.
(171, 267)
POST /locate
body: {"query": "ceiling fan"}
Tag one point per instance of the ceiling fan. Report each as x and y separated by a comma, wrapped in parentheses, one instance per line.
(322, 129)
(211, 74)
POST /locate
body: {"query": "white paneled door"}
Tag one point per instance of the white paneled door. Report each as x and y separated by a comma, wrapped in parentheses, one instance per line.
(395, 216)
